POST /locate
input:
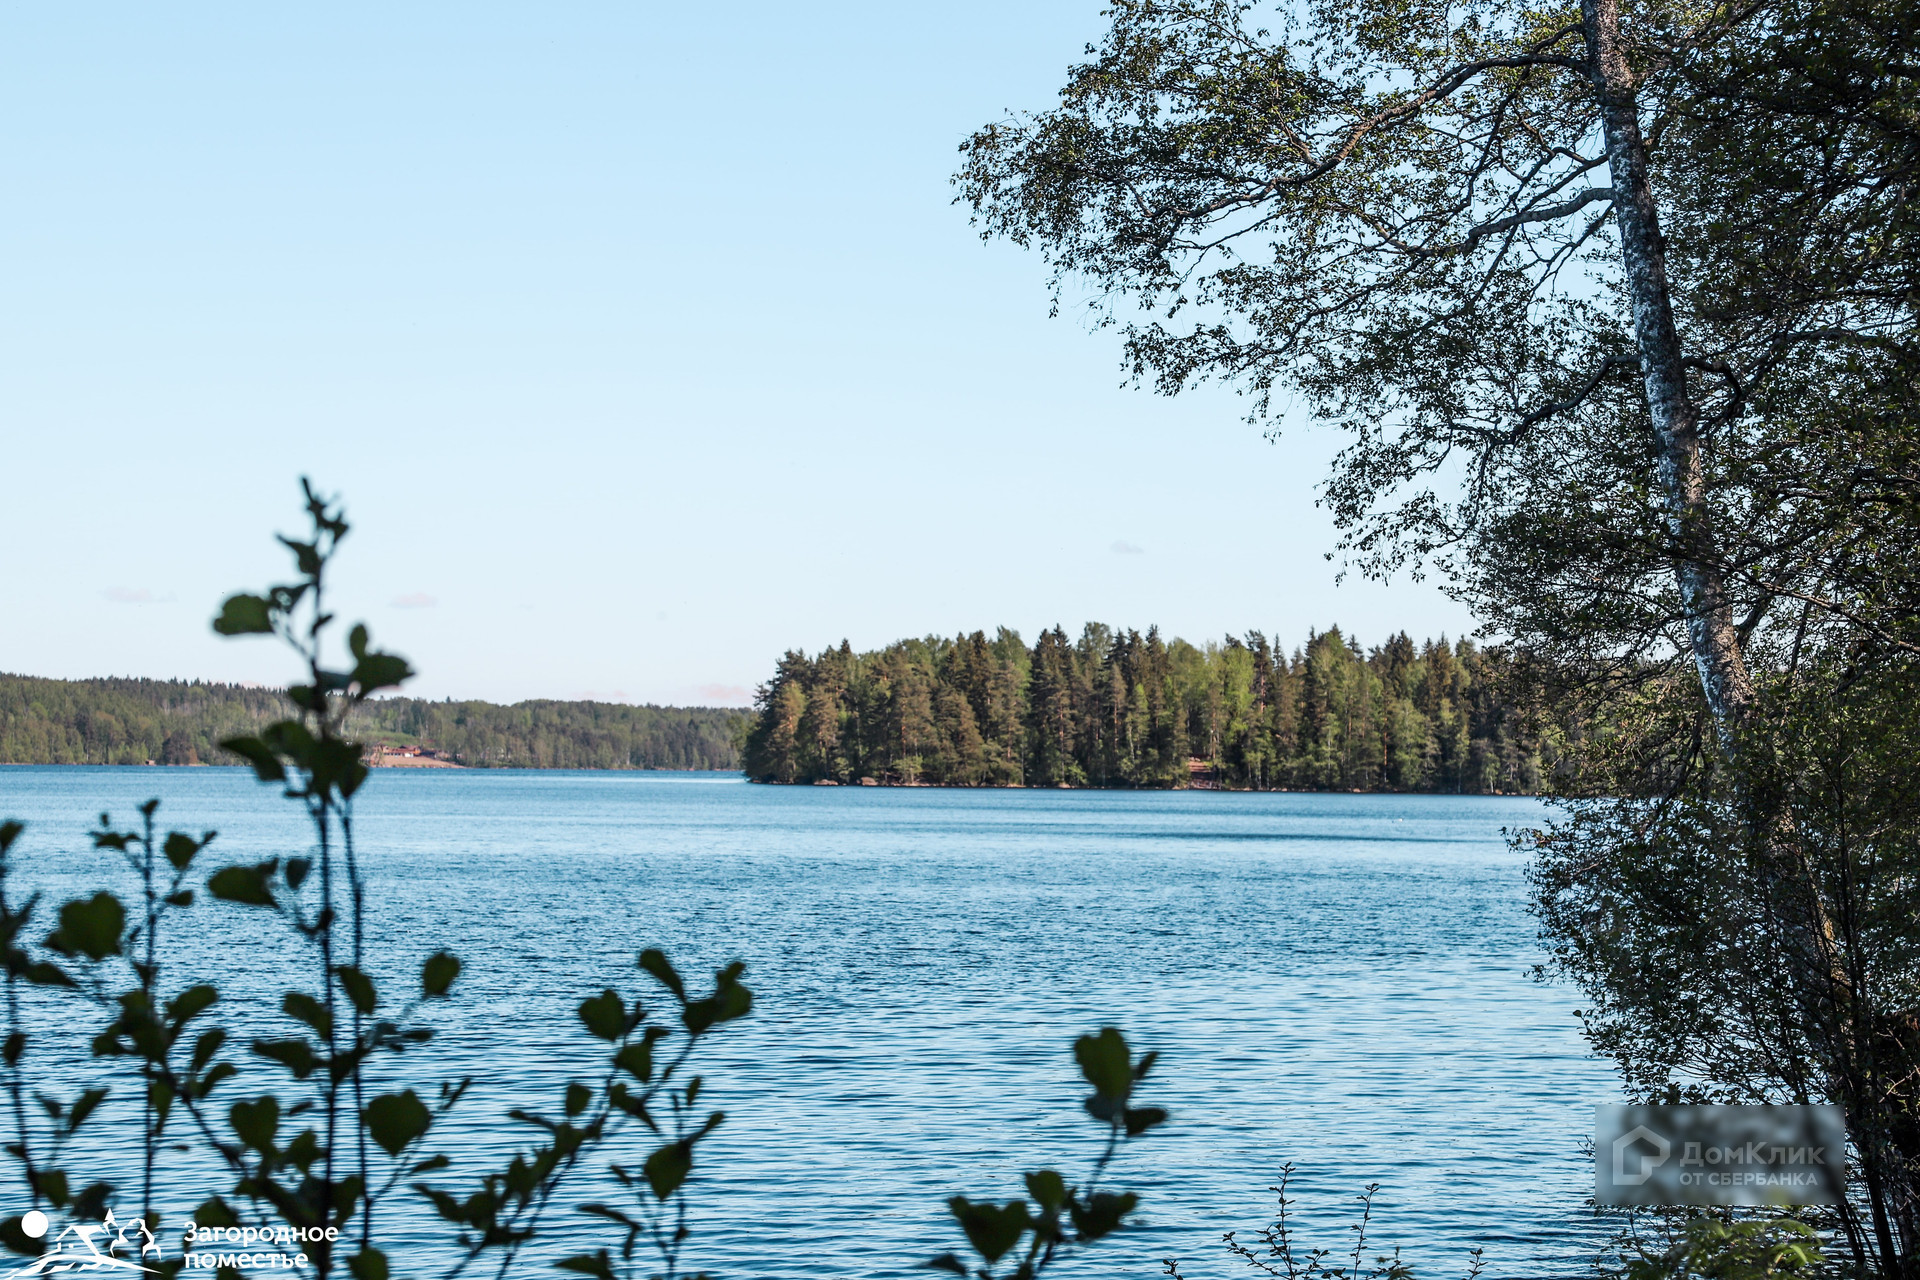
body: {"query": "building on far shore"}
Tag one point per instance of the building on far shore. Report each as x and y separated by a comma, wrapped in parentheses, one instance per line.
(410, 757)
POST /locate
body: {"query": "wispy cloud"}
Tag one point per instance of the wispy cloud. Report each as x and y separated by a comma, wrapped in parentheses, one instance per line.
(135, 595)
(1128, 549)
(413, 600)
(725, 695)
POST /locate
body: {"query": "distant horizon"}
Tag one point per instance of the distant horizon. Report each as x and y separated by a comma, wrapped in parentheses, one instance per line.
(745, 697)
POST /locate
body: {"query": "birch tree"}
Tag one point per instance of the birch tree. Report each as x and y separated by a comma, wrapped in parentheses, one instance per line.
(1520, 256)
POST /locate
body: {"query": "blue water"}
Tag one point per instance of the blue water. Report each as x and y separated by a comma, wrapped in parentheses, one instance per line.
(1337, 981)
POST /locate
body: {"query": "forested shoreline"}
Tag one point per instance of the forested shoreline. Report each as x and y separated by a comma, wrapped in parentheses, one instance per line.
(1112, 708)
(133, 721)
(1116, 708)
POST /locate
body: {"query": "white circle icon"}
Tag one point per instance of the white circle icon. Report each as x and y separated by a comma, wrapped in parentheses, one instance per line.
(33, 1223)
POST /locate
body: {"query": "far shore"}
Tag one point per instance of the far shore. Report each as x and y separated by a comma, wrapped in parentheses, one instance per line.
(384, 759)
(394, 760)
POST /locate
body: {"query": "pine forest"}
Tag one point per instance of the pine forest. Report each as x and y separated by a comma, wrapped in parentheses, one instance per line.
(1115, 708)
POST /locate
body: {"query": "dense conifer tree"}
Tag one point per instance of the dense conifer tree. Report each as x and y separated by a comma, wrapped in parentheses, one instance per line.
(1117, 708)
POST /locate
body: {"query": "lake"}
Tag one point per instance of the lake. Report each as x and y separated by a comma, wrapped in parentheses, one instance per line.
(1339, 981)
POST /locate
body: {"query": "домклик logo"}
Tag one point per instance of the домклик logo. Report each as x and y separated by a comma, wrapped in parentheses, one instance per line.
(1716, 1154)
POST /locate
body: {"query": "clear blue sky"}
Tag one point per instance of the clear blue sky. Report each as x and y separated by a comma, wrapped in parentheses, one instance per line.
(644, 343)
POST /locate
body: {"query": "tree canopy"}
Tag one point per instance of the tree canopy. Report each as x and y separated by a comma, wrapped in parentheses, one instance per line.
(1116, 708)
(1614, 301)
(131, 721)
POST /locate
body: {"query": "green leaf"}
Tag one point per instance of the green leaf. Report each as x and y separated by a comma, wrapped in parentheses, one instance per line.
(592, 1264)
(19, 1241)
(437, 975)
(604, 1015)
(90, 927)
(16, 1045)
(219, 1072)
(368, 1264)
(266, 765)
(637, 1058)
(397, 1119)
(180, 848)
(305, 554)
(300, 1005)
(184, 898)
(256, 1122)
(249, 886)
(1140, 1119)
(991, 1229)
(608, 1212)
(444, 1204)
(52, 1183)
(9, 832)
(244, 615)
(380, 671)
(1101, 1213)
(729, 1000)
(1105, 1062)
(291, 739)
(578, 1096)
(668, 1167)
(1048, 1188)
(336, 765)
(624, 1098)
(91, 1202)
(945, 1262)
(83, 1107)
(191, 1003)
(297, 870)
(43, 974)
(296, 1056)
(205, 1047)
(655, 962)
(359, 988)
(161, 1095)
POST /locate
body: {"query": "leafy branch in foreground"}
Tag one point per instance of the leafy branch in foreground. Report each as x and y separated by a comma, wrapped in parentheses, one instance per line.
(504, 1212)
(1063, 1217)
(1707, 1248)
(312, 1155)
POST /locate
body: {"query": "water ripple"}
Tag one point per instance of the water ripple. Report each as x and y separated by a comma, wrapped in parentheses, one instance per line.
(1336, 981)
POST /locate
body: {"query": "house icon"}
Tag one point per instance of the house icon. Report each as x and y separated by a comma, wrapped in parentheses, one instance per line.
(1652, 1153)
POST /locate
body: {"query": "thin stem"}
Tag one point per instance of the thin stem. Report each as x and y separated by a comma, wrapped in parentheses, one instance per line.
(148, 982)
(357, 892)
(21, 1130)
(322, 821)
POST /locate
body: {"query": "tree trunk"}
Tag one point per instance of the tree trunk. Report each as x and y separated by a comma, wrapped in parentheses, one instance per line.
(1826, 989)
(1703, 593)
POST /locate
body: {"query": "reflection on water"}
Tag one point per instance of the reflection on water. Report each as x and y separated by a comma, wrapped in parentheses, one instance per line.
(1339, 981)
